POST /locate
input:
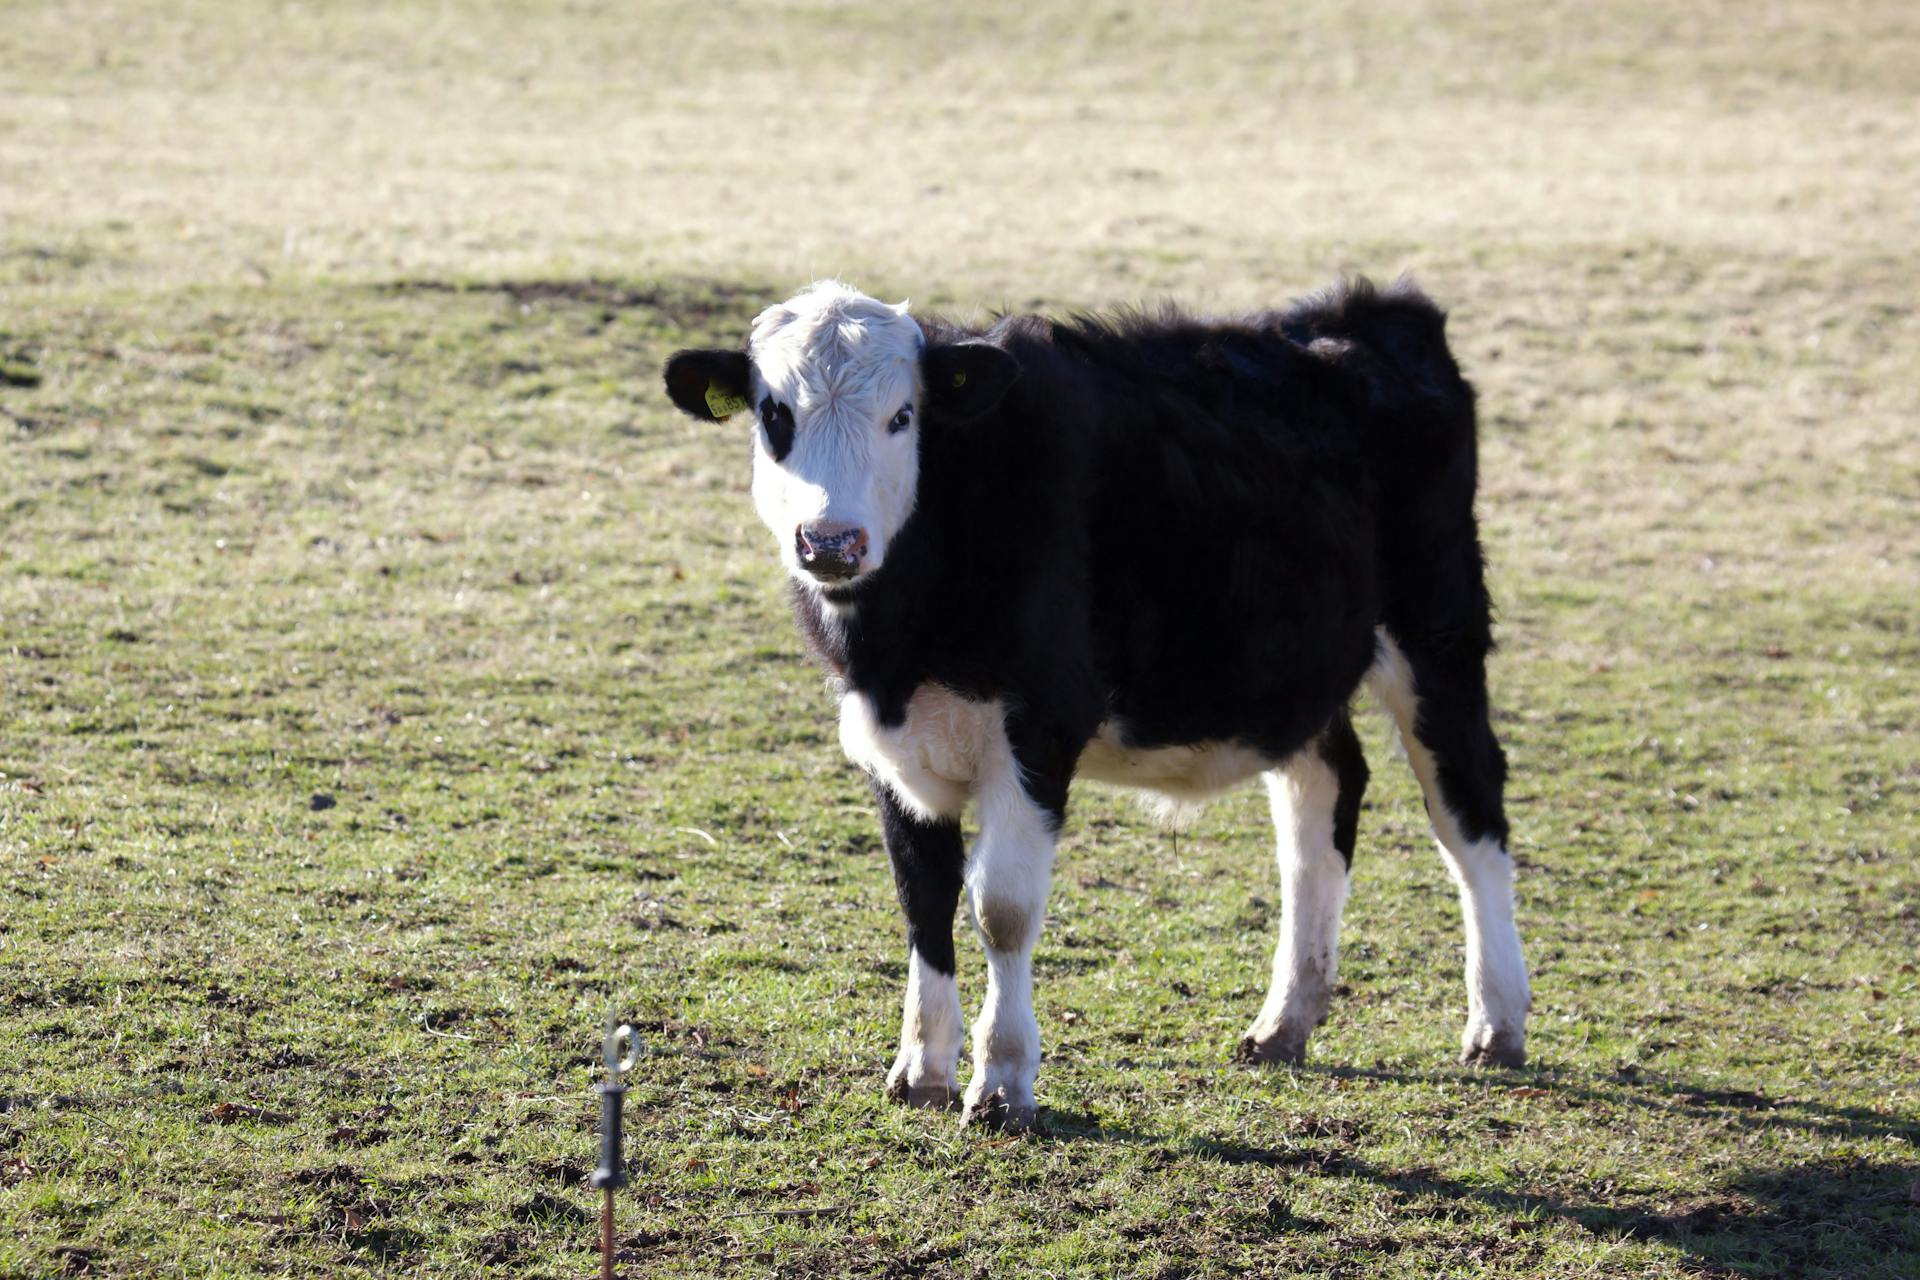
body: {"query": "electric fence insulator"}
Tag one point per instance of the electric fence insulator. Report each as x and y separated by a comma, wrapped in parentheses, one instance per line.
(612, 1172)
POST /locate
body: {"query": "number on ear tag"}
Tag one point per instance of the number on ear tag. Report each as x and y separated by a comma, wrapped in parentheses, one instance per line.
(723, 403)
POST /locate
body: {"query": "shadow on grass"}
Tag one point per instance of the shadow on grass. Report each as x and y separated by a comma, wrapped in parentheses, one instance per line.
(685, 304)
(1836, 1217)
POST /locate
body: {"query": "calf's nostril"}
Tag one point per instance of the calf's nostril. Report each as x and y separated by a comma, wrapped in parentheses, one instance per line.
(829, 550)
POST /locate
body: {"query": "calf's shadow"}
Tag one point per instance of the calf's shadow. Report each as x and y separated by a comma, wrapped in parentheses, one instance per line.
(1837, 1216)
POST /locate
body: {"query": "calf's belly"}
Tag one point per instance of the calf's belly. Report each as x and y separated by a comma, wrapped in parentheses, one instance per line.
(1187, 772)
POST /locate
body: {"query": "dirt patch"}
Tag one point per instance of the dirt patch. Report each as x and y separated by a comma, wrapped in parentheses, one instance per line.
(545, 1209)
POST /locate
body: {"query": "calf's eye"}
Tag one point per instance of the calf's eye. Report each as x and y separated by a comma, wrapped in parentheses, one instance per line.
(777, 421)
(901, 419)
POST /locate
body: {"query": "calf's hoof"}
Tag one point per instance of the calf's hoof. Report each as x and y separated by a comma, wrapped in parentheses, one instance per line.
(932, 1092)
(1488, 1047)
(1286, 1045)
(931, 1097)
(994, 1111)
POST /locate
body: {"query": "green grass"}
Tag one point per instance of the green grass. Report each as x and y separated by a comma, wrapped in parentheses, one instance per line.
(391, 685)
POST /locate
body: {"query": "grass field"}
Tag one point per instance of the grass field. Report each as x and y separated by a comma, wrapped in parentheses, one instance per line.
(390, 685)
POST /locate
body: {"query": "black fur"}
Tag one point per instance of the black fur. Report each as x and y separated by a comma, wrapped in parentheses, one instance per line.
(927, 858)
(690, 375)
(1340, 748)
(1194, 526)
(776, 420)
(966, 379)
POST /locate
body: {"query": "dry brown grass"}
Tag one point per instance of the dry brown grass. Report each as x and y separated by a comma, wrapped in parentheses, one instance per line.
(986, 153)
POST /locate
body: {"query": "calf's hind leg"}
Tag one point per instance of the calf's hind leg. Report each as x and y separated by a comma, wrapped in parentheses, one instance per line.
(1316, 816)
(1439, 700)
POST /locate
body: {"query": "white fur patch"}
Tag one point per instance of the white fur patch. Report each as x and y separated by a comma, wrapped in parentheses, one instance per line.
(930, 1033)
(845, 364)
(1178, 779)
(1498, 994)
(1008, 875)
(1313, 890)
(932, 759)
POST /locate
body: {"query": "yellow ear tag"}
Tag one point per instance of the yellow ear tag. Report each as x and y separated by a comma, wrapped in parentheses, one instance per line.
(722, 403)
(960, 379)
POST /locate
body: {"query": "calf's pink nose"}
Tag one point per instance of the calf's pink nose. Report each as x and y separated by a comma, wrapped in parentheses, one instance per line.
(829, 549)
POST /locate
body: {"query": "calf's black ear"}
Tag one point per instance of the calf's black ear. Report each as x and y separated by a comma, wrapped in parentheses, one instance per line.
(708, 382)
(966, 379)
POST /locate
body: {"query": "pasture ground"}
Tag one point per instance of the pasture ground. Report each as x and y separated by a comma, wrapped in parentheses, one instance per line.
(390, 685)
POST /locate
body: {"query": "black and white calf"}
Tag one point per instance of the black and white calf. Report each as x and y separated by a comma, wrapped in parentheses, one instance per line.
(1152, 550)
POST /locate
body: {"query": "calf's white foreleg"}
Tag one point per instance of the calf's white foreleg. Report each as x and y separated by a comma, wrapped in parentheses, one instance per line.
(930, 1034)
(1007, 879)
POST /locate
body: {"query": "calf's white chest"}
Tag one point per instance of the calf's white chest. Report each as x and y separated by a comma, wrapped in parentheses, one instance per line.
(949, 749)
(933, 760)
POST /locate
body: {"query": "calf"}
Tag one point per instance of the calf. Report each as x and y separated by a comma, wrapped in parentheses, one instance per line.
(1152, 550)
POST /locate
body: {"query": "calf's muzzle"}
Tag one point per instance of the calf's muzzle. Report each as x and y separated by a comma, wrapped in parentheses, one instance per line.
(829, 550)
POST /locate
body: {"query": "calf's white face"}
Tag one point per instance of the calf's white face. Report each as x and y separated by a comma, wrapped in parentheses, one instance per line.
(837, 384)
